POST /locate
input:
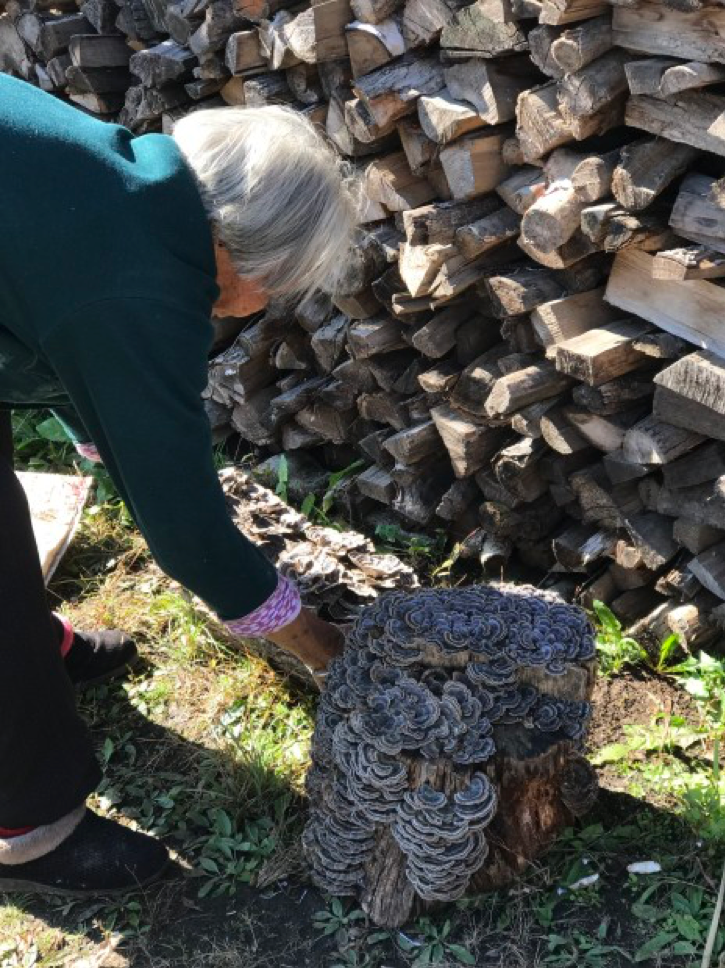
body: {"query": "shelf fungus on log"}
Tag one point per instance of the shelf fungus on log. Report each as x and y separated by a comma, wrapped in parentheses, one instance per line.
(446, 754)
(337, 572)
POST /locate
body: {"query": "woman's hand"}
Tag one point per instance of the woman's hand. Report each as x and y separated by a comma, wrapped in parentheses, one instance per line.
(314, 641)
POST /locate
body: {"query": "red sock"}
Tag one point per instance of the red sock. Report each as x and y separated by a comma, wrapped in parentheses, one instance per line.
(8, 832)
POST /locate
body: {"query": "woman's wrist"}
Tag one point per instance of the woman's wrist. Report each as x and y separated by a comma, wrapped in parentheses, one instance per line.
(281, 608)
(89, 451)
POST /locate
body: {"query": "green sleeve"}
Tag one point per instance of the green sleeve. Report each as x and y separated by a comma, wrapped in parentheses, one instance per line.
(134, 370)
(72, 424)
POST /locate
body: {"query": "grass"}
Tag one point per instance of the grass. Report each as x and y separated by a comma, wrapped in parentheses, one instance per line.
(206, 746)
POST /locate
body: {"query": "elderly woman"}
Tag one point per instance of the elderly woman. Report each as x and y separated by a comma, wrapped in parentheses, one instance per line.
(115, 251)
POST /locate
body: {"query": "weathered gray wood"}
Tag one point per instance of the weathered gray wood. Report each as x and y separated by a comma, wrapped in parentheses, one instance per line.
(519, 389)
(652, 28)
(488, 233)
(709, 569)
(695, 537)
(580, 545)
(692, 310)
(561, 319)
(472, 30)
(687, 263)
(94, 50)
(470, 445)
(162, 64)
(703, 464)
(652, 441)
(617, 394)
(594, 87)
(491, 87)
(697, 215)
(580, 45)
(646, 168)
(688, 414)
(568, 11)
(693, 118)
(602, 353)
(606, 432)
(443, 118)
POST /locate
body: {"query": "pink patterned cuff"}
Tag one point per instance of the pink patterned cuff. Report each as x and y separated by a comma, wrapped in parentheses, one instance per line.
(89, 451)
(68, 635)
(282, 607)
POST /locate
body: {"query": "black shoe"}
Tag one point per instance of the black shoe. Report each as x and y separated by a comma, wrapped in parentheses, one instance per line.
(97, 657)
(99, 857)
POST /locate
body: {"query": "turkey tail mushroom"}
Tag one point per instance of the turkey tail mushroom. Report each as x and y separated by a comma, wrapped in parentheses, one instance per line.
(449, 712)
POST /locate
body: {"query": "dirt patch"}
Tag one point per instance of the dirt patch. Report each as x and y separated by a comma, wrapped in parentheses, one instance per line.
(634, 699)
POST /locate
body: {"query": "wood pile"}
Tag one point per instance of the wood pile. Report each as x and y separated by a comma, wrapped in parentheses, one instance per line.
(524, 350)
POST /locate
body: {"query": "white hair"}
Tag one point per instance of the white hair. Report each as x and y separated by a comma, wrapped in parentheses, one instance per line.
(278, 196)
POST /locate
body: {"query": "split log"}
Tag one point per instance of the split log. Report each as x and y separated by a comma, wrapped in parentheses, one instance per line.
(652, 441)
(696, 215)
(688, 414)
(470, 445)
(581, 545)
(492, 88)
(516, 390)
(473, 165)
(371, 46)
(568, 11)
(646, 168)
(94, 50)
(488, 233)
(695, 537)
(388, 180)
(594, 87)
(438, 223)
(605, 432)
(390, 92)
(541, 125)
(692, 118)
(562, 319)
(602, 353)
(471, 31)
(617, 394)
(691, 310)
(691, 262)
(613, 229)
(580, 45)
(651, 28)
(243, 53)
(709, 569)
(444, 119)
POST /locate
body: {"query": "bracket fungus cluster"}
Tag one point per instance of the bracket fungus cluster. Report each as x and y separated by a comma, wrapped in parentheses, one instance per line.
(446, 751)
(337, 572)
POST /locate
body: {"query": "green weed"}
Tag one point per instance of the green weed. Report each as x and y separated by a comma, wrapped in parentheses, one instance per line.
(615, 649)
(431, 944)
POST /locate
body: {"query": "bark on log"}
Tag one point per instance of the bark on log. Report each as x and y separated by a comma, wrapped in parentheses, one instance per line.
(377, 810)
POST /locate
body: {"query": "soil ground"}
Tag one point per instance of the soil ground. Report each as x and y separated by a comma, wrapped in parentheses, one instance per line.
(206, 747)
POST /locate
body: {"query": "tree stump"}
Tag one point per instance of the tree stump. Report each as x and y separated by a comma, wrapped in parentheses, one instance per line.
(446, 752)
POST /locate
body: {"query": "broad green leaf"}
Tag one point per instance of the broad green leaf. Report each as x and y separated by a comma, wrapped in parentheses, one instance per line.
(464, 956)
(652, 947)
(688, 927)
(51, 429)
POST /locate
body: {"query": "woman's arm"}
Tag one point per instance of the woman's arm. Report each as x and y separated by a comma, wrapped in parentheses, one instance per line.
(134, 371)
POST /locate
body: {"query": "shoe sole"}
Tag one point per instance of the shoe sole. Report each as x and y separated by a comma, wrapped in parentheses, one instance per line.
(9, 885)
(110, 676)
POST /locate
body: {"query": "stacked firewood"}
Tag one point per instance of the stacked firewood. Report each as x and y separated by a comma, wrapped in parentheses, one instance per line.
(522, 348)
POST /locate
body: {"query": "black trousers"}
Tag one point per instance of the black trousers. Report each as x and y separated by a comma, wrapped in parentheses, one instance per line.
(47, 764)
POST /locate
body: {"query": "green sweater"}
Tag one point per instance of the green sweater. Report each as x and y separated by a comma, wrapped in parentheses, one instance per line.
(107, 281)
